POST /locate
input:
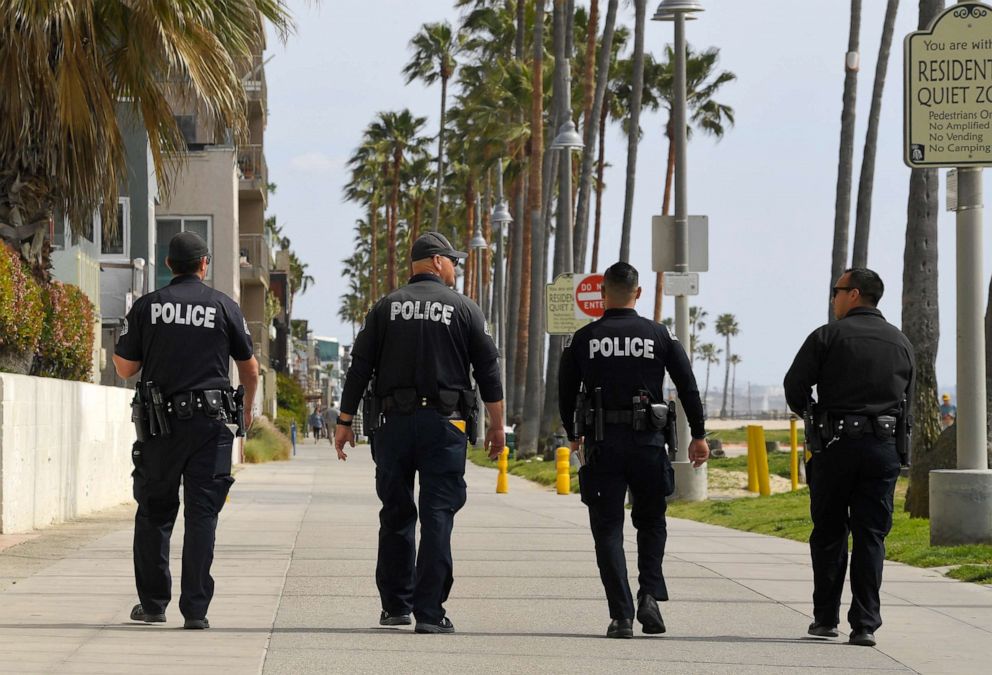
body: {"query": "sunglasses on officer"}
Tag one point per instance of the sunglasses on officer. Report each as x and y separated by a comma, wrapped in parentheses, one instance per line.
(454, 261)
(837, 289)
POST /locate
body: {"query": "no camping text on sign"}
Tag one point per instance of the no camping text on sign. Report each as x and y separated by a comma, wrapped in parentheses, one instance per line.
(572, 301)
(948, 90)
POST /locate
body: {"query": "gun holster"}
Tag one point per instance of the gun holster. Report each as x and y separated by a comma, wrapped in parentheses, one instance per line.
(812, 429)
(139, 415)
(904, 433)
(671, 431)
(469, 410)
(371, 410)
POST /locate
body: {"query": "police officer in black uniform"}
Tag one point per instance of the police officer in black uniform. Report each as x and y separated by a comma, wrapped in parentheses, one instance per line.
(420, 342)
(863, 370)
(181, 338)
(619, 362)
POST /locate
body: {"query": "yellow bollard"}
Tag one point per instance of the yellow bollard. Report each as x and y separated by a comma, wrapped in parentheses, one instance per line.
(761, 463)
(794, 453)
(502, 482)
(564, 480)
(752, 466)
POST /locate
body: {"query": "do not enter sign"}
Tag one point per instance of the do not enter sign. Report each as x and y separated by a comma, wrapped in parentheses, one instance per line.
(588, 296)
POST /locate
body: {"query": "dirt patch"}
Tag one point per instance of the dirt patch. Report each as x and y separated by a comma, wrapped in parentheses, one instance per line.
(723, 484)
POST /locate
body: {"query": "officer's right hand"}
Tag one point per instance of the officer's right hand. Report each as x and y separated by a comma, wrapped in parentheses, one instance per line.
(495, 441)
(699, 452)
(342, 435)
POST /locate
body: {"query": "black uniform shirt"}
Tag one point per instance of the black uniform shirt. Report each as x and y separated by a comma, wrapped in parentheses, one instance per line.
(861, 365)
(625, 353)
(423, 336)
(184, 335)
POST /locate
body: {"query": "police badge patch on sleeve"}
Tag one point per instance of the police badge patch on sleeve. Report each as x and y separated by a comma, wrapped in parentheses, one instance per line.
(245, 322)
(123, 330)
(568, 341)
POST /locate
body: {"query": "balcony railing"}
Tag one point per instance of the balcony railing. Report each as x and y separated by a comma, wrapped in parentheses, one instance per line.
(260, 339)
(256, 89)
(252, 170)
(256, 258)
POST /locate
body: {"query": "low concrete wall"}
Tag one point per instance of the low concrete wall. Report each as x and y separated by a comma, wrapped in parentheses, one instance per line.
(65, 450)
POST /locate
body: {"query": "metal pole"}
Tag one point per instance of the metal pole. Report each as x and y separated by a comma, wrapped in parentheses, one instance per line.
(681, 214)
(971, 420)
(565, 188)
(479, 257)
(498, 298)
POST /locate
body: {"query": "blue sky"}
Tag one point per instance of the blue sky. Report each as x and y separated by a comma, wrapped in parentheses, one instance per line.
(768, 187)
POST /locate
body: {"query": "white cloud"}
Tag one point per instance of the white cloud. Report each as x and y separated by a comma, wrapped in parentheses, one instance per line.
(312, 161)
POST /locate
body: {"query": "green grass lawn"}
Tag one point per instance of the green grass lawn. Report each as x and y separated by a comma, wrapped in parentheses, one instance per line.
(787, 515)
(739, 436)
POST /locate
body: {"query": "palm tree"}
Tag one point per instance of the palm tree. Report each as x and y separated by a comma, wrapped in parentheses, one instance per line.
(710, 355)
(862, 221)
(68, 65)
(734, 360)
(842, 205)
(434, 58)
(706, 114)
(920, 315)
(633, 137)
(697, 322)
(726, 325)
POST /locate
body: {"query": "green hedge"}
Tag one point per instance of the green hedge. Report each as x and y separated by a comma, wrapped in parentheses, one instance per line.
(66, 346)
(21, 305)
(291, 400)
(265, 443)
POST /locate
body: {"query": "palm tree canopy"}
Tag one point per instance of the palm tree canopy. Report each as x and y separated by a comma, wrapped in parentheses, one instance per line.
(726, 325)
(69, 64)
(703, 82)
(434, 50)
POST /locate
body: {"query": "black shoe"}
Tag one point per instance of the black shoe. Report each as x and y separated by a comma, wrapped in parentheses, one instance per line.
(387, 619)
(138, 614)
(620, 628)
(822, 630)
(196, 624)
(862, 638)
(442, 626)
(649, 615)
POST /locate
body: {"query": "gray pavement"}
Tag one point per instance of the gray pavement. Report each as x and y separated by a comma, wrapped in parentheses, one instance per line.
(296, 594)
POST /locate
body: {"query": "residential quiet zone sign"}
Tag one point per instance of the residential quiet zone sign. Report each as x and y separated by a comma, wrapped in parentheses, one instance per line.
(948, 90)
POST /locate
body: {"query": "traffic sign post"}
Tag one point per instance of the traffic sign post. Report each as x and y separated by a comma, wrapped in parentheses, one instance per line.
(588, 292)
(948, 123)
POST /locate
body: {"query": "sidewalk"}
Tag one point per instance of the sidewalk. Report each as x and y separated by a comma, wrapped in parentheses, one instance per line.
(296, 594)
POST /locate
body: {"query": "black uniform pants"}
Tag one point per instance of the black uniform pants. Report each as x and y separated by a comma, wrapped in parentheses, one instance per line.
(612, 466)
(199, 453)
(423, 442)
(851, 487)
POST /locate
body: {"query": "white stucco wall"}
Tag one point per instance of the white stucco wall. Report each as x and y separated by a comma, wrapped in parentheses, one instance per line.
(65, 450)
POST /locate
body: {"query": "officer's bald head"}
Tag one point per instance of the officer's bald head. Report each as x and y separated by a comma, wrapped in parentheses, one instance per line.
(621, 285)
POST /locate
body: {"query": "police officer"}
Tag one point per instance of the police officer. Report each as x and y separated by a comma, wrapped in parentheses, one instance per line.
(420, 342)
(181, 338)
(619, 362)
(863, 370)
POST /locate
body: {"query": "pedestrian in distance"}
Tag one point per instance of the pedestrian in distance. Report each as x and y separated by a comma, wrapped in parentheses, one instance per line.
(181, 339)
(857, 430)
(611, 401)
(316, 423)
(330, 420)
(421, 343)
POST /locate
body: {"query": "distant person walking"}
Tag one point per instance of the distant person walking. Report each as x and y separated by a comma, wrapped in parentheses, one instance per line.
(330, 417)
(948, 411)
(316, 423)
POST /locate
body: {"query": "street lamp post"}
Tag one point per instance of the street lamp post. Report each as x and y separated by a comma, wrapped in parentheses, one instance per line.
(690, 483)
(479, 244)
(499, 217)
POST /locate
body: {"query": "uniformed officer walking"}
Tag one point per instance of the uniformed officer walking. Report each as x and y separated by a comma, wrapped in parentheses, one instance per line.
(181, 338)
(619, 362)
(420, 342)
(863, 369)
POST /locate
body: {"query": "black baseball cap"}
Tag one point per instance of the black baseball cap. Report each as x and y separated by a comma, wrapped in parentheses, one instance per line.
(434, 243)
(187, 246)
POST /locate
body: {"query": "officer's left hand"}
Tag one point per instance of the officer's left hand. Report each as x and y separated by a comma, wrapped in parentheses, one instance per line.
(342, 435)
(495, 441)
(699, 452)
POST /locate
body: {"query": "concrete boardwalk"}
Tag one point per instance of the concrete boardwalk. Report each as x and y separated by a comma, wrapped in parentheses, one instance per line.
(296, 594)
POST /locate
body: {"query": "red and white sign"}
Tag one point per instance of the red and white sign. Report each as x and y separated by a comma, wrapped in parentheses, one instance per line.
(588, 296)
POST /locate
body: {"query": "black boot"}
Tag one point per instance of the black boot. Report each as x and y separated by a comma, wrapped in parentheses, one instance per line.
(620, 628)
(649, 615)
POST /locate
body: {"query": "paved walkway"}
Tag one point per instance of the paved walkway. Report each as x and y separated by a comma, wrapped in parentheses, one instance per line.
(296, 594)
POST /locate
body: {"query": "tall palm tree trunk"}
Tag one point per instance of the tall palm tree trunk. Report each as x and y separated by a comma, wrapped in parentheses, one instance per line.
(513, 296)
(633, 137)
(374, 252)
(468, 285)
(706, 389)
(596, 112)
(726, 379)
(600, 166)
(842, 204)
(440, 153)
(529, 395)
(392, 224)
(733, 389)
(666, 203)
(862, 222)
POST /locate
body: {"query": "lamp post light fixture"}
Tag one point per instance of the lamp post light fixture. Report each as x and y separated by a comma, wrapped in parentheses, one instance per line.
(692, 484)
(568, 139)
(499, 217)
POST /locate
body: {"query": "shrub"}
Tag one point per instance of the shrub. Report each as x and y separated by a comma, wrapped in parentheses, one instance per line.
(291, 399)
(21, 307)
(266, 443)
(66, 346)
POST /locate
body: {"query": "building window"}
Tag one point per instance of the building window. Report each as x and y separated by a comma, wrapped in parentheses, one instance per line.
(116, 245)
(165, 230)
